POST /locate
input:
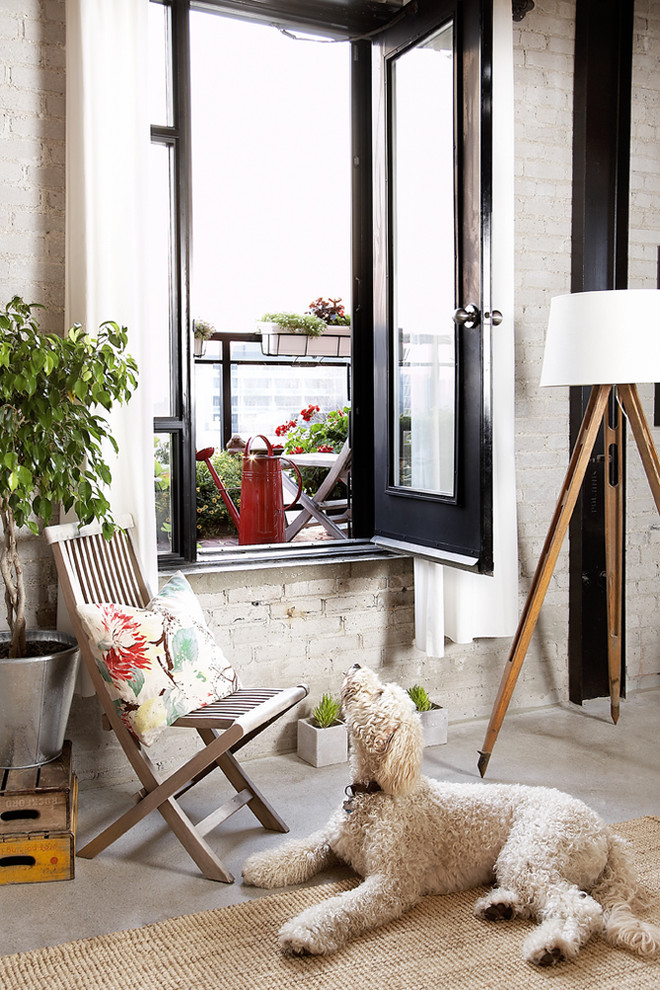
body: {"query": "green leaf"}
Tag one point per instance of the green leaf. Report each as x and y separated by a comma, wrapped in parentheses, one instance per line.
(136, 682)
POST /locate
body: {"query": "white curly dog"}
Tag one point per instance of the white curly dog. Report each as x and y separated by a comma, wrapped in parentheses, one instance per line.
(552, 858)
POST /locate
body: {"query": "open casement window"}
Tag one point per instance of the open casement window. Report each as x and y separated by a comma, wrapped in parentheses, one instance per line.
(432, 307)
(418, 163)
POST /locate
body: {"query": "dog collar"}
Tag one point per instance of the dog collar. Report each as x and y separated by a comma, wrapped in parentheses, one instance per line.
(357, 788)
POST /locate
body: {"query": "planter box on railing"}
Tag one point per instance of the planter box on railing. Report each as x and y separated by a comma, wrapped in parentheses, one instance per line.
(332, 343)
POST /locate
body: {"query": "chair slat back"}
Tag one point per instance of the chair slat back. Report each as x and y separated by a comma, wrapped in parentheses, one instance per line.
(98, 570)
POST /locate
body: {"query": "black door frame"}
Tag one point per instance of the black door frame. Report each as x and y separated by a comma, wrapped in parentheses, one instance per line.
(601, 167)
(456, 530)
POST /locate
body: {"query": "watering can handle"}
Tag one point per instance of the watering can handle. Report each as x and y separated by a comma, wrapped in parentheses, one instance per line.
(259, 436)
(300, 482)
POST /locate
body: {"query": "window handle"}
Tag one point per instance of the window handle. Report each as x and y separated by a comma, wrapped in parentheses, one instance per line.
(468, 317)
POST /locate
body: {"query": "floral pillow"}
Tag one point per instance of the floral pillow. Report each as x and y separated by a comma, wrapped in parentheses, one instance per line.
(159, 662)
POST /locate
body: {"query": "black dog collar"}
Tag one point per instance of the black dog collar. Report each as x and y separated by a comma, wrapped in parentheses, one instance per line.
(357, 788)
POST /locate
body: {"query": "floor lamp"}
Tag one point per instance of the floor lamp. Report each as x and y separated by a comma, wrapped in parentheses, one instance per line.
(611, 341)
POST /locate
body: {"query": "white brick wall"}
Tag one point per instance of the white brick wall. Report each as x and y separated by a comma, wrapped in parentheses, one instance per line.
(32, 81)
(643, 524)
(310, 622)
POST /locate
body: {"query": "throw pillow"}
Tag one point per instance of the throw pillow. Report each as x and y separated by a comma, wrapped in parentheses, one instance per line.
(159, 662)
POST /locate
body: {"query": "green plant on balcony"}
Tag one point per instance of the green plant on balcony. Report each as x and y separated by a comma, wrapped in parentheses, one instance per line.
(305, 323)
(213, 518)
(311, 432)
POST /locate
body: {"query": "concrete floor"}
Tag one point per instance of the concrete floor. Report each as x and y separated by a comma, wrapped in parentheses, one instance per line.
(146, 876)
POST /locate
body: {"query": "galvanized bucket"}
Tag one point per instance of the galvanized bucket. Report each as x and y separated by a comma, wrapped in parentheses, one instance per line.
(35, 699)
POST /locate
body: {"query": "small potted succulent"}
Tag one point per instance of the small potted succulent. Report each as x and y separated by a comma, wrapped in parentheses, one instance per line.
(323, 331)
(202, 331)
(322, 738)
(433, 717)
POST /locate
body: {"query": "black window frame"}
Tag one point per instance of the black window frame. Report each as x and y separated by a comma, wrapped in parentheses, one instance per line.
(356, 22)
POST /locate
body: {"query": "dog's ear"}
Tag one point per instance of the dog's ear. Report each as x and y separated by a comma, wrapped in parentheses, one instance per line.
(382, 741)
(399, 770)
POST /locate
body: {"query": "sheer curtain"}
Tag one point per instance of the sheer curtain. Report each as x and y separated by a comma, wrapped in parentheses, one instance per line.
(450, 602)
(107, 147)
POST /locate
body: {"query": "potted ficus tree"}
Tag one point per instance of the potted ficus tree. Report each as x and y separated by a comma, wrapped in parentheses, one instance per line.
(54, 392)
(433, 717)
(322, 739)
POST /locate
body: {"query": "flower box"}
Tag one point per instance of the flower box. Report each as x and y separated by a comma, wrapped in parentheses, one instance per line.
(335, 343)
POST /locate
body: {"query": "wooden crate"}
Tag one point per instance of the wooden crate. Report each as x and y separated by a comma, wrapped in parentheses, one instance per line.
(36, 857)
(38, 813)
(38, 799)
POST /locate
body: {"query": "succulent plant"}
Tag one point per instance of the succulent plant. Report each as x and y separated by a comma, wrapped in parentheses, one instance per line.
(420, 697)
(327, 711)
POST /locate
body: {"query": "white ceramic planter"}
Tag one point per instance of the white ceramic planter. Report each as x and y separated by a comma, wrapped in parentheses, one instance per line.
(335, 343)
(322, 747)
(434, 726)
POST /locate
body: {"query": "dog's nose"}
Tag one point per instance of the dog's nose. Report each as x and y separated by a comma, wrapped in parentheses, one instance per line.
(356, 666)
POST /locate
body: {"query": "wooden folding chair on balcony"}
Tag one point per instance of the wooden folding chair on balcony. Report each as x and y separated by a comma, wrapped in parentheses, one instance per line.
(93, 570)
(315, 509)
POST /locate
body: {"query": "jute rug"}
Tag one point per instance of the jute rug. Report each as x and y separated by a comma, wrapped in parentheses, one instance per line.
(439, 944)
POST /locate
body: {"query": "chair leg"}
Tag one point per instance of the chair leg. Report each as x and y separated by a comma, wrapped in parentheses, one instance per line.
(237, 777)
(184, 829)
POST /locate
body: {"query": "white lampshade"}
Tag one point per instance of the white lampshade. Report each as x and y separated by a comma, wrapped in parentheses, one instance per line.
(603, 338)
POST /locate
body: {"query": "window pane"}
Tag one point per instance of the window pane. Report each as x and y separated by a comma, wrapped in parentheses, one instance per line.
(160, 64)
(271, 171)
(263, 396)
(163, 461)
(424, 401)
(161, 275)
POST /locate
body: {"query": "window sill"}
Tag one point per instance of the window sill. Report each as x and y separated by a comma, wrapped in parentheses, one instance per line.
(279, 556)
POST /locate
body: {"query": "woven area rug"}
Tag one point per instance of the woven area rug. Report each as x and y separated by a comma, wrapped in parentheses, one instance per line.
(437, 944)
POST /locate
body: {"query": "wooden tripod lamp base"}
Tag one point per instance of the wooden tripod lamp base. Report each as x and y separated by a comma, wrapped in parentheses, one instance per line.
(592, 336)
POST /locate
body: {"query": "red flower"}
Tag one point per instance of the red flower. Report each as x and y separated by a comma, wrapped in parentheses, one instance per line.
(123, 644)
(284, 428)
(325, 448)
(297, 450)
(309, 412)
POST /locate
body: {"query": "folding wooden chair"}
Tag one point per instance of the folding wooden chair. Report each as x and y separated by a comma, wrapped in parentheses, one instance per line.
(93, 570)
(314, 508)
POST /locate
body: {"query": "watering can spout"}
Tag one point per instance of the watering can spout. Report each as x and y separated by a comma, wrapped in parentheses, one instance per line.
(205, 455)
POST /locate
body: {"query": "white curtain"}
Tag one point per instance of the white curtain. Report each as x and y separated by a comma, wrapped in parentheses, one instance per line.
(450, 602)
(107, 148)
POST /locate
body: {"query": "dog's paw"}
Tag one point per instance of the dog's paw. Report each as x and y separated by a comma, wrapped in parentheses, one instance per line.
(548, 956)
(497, 905)
(542, 948)
(260, 870)
(298, 939)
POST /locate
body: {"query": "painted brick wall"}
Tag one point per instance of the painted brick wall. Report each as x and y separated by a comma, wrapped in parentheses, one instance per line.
(643, 524)
(32, 87)
(310, 622)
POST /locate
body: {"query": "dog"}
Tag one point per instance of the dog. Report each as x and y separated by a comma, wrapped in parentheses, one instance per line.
(551, 858)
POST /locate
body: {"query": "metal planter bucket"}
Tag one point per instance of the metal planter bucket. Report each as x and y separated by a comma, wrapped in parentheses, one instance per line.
(35, 698)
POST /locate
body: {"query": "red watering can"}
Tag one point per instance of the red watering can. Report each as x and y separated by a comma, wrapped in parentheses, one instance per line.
(261, 519)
